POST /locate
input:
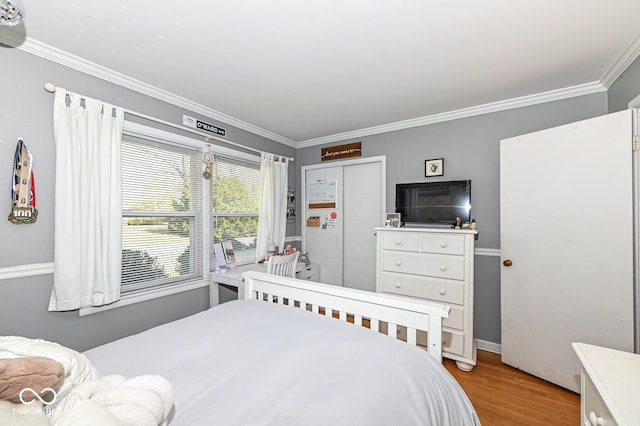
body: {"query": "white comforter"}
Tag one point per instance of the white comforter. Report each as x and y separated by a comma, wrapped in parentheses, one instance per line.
(248, 362)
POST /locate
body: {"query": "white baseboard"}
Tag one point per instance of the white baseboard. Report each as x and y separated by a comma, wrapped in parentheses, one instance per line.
(489, 346)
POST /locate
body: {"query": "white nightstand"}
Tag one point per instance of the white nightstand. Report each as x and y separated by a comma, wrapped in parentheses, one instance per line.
(610, 386)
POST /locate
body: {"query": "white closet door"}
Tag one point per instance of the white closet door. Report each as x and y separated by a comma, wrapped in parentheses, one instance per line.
(566, 226)
(325, 242)
(345, 248)
(363, 211)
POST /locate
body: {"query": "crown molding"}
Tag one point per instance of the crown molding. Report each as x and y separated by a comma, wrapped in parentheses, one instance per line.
(75, 62)
(66, 59)
(629, 55)
(539, 98)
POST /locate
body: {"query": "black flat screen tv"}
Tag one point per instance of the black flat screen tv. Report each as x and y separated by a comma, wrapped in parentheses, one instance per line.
(434, 204)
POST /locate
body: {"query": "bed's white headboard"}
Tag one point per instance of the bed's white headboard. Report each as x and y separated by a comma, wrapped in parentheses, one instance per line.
(360, 307)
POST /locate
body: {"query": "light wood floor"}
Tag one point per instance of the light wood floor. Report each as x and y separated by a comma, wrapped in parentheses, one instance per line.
(503, 395)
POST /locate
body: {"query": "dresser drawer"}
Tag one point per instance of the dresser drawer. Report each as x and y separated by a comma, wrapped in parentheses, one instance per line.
(309, 272)
(442, 244)
(453, 342)
(455, 319)
(451, 267)
(404, 241)
(423, 243)
(423, 287)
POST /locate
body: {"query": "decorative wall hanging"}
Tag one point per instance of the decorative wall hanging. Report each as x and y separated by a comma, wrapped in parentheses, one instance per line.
(291, 205)
(208, 159)
(341, 151)
(434, 167)
(23, 191)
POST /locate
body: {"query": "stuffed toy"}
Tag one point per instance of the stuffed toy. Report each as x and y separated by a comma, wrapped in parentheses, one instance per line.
(24, 379)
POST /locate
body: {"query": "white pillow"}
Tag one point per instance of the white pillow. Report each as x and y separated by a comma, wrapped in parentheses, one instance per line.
(77, 367)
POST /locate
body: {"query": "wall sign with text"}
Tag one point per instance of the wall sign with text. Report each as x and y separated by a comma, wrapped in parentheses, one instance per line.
(341, 151)
(201, 125)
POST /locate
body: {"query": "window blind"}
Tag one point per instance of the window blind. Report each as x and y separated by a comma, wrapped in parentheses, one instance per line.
(162, 214)
(235, 195)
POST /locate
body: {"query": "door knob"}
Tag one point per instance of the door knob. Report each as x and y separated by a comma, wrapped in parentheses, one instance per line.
(507, 262)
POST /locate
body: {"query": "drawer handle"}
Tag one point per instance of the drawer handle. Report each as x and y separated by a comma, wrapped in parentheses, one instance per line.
(398, 285)
(443, 267)
(443, 292)
(398, 242)
(443, 244)
(398, 263)
(595, 420)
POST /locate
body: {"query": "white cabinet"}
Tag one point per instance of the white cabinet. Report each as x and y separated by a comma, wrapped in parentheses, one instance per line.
(609, 386)
(310, 272)
(437, 265)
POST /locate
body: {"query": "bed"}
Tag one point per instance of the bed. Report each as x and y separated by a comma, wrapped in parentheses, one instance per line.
(281, 356)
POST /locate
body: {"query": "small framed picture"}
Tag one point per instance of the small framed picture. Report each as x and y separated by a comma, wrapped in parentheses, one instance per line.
(393, 220)
(434, 167)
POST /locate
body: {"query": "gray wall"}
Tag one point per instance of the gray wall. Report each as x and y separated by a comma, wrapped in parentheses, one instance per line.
(471, 150)
(469, 146)
(26, 111)
(626, 88)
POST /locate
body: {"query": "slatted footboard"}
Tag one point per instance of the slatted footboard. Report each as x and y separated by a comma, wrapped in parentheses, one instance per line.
(360, 307)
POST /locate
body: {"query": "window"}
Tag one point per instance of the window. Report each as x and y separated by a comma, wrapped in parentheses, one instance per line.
(162, 213)
(171, 216)
(235, 194)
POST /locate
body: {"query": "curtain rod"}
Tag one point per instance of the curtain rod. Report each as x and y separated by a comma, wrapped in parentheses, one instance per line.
(51, 88)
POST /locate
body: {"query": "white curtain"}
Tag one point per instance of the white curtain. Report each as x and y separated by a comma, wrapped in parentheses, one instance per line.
(88, 202)
(272, 214)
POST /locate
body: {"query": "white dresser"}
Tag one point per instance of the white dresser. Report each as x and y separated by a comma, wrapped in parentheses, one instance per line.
(610, 386)
(437, 265)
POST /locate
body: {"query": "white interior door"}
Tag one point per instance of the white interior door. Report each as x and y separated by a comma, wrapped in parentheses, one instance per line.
(344, 244)
(566, 225)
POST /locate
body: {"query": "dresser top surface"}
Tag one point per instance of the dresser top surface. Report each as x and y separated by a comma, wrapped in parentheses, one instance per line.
(430, 230)
(616, 376)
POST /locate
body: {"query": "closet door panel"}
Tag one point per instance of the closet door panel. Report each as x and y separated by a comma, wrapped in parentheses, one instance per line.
(363, 198)
(325, 242)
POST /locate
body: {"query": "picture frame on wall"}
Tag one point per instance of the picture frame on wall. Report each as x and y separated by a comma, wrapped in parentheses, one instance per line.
(434, 167)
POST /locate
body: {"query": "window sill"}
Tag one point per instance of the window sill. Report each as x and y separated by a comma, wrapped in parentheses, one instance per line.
(143, 296)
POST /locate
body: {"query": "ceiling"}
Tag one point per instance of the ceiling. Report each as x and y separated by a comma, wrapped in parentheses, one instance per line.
(310, 72)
